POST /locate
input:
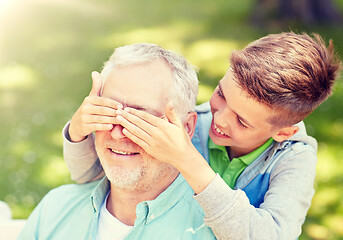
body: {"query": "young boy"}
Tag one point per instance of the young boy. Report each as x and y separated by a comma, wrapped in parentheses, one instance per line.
(259, 180)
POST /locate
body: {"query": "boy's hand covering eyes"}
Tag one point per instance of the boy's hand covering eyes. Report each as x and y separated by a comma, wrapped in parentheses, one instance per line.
(166, 141)
(95, 113)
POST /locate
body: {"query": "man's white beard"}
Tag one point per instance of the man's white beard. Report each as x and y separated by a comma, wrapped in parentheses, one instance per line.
(123, 178)
(141, 178)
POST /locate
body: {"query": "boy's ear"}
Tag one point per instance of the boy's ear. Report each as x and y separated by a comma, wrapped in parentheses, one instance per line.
(190, 123)
(285, 133)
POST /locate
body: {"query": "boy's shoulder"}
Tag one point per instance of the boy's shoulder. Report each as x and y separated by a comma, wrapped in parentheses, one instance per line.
(301, 139)
(204, 117)
(203, 108)
(299, 147)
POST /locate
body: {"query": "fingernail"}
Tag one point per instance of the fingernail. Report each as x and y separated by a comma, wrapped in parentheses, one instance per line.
(126, 109)
(119, 106)
(119, 111)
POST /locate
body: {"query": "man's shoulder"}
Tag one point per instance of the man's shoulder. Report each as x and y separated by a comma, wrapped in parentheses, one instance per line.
(183, 212)
(187, 200)
(59, 211)
(65, 196)
(73, 189)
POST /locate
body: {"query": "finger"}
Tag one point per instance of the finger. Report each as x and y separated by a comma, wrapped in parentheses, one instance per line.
(98, 110)
(141, 121)
(135, 116)
(101, 101)
(96, 84)
(101, 119)
(136, 140)
(99, 127)
(171, 115)
(137, 131)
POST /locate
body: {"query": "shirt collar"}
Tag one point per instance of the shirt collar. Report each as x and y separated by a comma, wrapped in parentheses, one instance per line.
(99, 193)
(248, 158)
(155, 208)
(167, 199)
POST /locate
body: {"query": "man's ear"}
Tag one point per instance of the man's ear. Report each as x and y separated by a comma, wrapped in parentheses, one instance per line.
(190, 123)
(285, 133)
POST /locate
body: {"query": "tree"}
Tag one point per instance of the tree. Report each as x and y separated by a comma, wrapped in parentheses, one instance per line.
(305, 12)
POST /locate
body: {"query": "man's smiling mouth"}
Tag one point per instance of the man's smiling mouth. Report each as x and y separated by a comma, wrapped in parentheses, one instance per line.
(123, 152)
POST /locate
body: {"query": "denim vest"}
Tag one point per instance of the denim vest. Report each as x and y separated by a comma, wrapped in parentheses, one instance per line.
(254, 180)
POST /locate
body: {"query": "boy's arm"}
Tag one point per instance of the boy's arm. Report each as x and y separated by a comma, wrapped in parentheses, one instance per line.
(81, 158)
(281, 215)
(228, 212)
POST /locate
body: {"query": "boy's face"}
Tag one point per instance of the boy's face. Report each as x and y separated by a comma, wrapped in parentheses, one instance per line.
(238, 120)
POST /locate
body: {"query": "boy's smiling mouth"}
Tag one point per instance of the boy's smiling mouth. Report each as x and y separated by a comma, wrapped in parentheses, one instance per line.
(218, 131)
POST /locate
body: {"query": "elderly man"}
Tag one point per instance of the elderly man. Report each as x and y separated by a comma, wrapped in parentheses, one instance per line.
(140, 197)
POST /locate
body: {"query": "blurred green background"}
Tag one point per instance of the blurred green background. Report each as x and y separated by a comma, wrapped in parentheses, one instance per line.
(48, 48)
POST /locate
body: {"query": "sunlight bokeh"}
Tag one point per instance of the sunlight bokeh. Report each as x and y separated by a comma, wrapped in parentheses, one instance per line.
(5, 5)
(14, 76)
(48, 49)
(55, 165)
(212, 54)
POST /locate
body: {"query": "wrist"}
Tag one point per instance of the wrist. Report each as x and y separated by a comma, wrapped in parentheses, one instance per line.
(73, 137)
(77, 139)
(197, 172)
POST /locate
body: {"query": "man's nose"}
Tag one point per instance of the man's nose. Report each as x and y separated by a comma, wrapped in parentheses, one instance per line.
(117, 132)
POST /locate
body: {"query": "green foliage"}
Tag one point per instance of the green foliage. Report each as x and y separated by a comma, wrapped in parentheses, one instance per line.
(49, 48)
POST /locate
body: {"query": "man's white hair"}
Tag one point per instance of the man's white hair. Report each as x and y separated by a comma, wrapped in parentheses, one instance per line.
(185, 89)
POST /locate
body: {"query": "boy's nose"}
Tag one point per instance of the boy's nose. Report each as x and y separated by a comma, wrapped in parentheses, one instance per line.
(223, 118)
(117, 132)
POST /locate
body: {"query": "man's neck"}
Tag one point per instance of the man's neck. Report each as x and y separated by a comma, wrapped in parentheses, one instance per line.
(122, 203)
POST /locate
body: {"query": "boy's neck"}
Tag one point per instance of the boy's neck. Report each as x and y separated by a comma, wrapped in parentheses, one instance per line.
(234, 152)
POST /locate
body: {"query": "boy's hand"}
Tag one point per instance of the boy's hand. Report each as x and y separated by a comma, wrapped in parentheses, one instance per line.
(95, 113)
(167, 141)
(163, 138)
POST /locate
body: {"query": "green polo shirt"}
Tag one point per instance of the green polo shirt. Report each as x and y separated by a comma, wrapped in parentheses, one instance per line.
(230, 170)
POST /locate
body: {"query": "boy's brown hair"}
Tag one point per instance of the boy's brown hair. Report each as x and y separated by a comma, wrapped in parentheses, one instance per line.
(291, 73)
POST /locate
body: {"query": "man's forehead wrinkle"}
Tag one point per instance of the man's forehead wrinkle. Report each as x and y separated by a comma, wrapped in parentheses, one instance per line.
(136, 105)
(143, 86)
(147, 109)
(142, 108)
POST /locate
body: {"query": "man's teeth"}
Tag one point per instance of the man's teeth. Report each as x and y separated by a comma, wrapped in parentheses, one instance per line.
(122, 153)
(218, 130)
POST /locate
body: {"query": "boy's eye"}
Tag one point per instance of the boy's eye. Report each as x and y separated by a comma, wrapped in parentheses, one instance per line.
(219, 93)
(240, 123)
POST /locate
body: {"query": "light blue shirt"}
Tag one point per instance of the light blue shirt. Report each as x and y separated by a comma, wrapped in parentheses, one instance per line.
(72, 212)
